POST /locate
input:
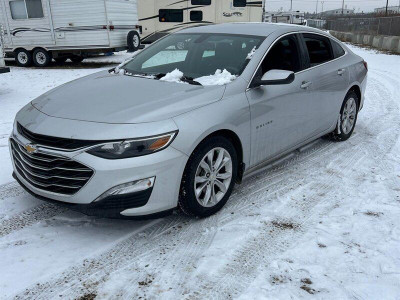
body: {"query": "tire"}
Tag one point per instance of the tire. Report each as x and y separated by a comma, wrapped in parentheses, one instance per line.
(349, 112)
(41, 58)
(60, 60)
(77, 58)
(133, 41)
(23, 58)
(199, 206)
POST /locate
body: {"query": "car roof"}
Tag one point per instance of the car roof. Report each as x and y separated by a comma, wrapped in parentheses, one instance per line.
(249, 28)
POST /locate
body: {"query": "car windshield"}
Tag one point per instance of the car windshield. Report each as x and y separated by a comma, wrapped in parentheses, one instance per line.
(196, 56)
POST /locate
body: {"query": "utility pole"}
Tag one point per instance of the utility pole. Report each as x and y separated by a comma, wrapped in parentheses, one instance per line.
(343, 7)
(316, 9)
(322, 9)
(291, 5)
(387, 3)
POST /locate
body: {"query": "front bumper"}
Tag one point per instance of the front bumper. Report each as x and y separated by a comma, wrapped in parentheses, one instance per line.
(166, 165)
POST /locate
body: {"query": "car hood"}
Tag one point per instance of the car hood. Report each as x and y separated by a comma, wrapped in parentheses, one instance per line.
(114, 98)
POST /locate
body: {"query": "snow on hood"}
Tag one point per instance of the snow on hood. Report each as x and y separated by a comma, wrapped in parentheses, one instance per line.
(219, 78)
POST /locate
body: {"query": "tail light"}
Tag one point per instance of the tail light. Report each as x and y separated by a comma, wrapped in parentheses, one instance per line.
(365, 65)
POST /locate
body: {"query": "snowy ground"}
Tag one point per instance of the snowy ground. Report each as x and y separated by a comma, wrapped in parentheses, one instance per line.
(323, 223)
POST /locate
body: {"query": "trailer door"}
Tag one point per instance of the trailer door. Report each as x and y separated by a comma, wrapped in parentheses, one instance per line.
(201, 12)
(29, 22)
(233, 11)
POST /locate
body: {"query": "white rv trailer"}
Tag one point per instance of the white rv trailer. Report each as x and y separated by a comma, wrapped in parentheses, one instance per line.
(3, 68)
(158, 18)
(289, 17)
(38, 30)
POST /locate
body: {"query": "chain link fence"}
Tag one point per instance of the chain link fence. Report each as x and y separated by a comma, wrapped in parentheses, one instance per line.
(375, 26)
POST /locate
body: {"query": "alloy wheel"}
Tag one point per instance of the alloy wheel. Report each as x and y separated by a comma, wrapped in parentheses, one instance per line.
(348, 117)
(213, 177)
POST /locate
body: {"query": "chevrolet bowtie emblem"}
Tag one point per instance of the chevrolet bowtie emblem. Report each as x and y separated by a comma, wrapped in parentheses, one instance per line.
(30, 148)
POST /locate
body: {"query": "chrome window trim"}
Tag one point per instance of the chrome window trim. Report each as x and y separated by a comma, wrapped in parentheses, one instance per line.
(299, 72)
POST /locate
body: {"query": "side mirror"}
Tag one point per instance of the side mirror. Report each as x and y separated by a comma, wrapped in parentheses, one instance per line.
(274, 77)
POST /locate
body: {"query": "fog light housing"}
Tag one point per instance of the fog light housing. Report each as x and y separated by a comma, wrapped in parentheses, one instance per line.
(128, 188)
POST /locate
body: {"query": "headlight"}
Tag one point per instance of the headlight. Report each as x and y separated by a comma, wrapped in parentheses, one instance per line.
(133, 148)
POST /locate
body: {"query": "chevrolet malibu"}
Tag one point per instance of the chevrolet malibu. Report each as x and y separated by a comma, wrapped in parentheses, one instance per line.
(184, 120)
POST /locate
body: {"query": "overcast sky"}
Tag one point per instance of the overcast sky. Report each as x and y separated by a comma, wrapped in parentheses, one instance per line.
(310, 5)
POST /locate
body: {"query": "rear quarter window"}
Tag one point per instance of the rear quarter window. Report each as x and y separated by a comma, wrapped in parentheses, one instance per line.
(338, 50)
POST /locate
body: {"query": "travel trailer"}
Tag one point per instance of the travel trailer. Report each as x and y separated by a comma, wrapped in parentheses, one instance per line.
(3, 68)
(158, 18)
(37, 31)
(288, 17)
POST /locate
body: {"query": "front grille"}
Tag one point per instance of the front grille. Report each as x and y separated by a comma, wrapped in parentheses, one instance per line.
(55, 142)
(48, 172)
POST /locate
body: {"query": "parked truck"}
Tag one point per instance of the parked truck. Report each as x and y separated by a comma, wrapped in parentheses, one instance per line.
(37, 31)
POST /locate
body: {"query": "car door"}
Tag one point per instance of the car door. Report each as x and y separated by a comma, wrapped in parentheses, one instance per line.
(329, 76)
(281, 115)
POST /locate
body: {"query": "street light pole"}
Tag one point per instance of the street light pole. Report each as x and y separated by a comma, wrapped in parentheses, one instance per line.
(291, 5)
(316, 9)
(342, 7)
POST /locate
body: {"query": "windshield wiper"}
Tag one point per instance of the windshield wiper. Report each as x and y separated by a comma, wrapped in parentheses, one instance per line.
(190, 80)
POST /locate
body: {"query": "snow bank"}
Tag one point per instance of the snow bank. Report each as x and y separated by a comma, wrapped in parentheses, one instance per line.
(219, 78)
(174, 76)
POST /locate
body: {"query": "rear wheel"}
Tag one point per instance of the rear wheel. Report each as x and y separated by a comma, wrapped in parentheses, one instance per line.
(348, 118)
(23, 58)
(133, 41)
(41, 58)
(209, 177)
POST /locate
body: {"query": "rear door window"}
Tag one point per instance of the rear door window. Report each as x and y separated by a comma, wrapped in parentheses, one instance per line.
(319, 49)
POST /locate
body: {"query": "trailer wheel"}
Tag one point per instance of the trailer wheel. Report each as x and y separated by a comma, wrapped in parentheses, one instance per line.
(133, 41)
(41, 57)
(76, 58)
(23, 57)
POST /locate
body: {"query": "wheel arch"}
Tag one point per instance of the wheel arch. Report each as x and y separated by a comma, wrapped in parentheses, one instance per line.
(236, 142)
(356, 89)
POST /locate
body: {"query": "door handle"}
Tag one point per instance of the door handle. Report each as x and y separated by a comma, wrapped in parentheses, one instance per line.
(305, 84)
(341, 71)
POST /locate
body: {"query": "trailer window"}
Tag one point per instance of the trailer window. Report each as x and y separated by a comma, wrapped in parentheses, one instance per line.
(170, 15)
(196, 15)
(201, 2)
(26, 9)
(239, 3)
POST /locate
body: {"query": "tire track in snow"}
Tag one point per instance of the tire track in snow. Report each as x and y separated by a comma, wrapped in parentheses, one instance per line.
(29, 217)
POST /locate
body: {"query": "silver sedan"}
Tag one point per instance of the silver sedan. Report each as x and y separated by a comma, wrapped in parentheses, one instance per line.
(184, 120)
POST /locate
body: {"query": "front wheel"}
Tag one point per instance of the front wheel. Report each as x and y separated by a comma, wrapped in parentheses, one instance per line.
(209, 177)
(348, 118)
(23, 58)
